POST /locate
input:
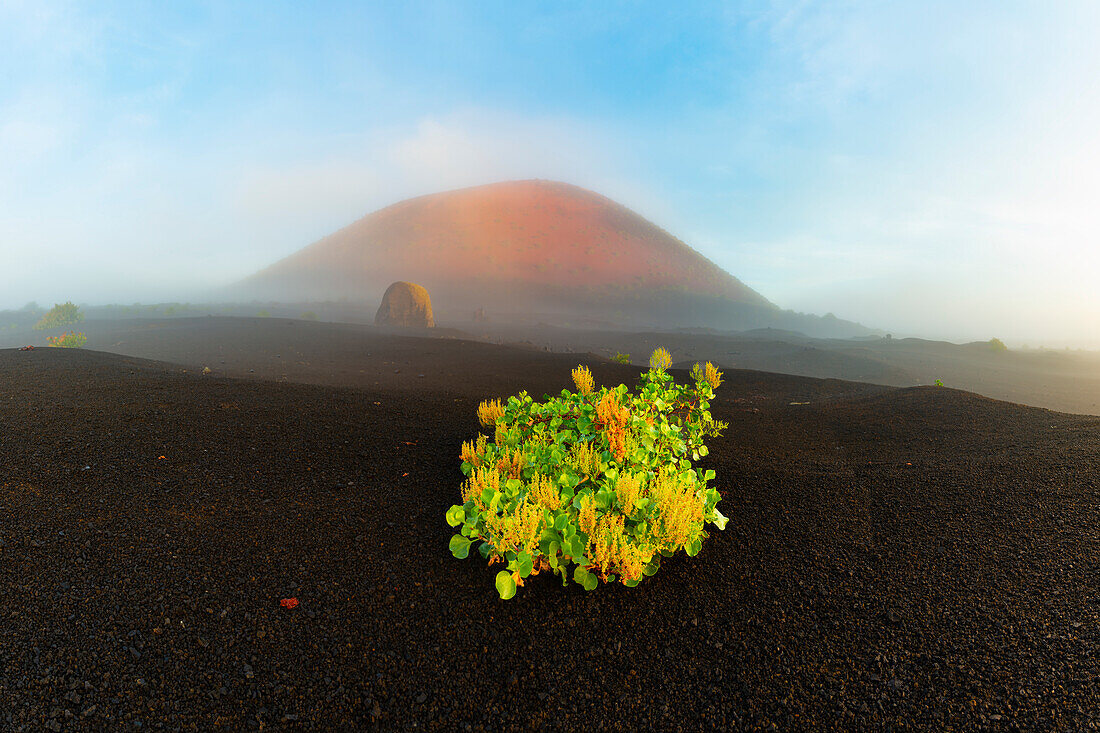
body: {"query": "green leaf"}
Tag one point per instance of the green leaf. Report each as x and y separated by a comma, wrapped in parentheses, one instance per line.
(524, 564)
(719, 519)
(548, 537)
(456, 515)
(586, 579)
(708, 475)
(560, 521)
(460, 547)
(704, 451)
(692, 548)
(513, 484)
(552, 554)
(575, 545)
(631, 583)
(652, 566)
(506, 586)
(484, 549)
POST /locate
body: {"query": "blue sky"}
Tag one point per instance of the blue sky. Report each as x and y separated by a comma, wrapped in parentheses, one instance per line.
(928, 168)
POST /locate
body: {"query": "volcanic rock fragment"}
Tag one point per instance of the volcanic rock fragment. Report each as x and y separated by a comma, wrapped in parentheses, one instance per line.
(405, 304)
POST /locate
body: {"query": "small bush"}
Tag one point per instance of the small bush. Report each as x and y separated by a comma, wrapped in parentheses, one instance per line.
(309, 316)
(62, 314)
(600, 480)
(263, 314)
(621, 358)
(997, 345)
(938, 383)
(70, 340)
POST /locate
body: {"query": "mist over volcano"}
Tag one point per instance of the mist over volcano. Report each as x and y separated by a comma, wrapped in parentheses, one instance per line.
(527, 248)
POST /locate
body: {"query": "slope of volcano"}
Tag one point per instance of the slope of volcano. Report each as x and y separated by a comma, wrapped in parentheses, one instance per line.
(519, 246)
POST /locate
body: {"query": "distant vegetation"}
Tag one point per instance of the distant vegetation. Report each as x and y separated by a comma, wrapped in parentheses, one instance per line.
(62, 314)
(621, 358)
(70, 340)
(598, 479)
(309, 316)
(997, 345)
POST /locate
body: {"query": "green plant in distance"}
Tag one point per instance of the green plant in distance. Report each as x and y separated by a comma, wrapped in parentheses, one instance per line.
(62, 314)
(621, 358)
(938, 383)
(592, 485)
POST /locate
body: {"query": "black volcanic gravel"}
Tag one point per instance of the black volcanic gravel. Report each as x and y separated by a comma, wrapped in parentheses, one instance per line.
(895, 558)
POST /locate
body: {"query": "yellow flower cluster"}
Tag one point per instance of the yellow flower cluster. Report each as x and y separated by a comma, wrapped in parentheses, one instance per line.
(480, 479)
(614, 418)
(629, 490)
(584, 459)
(471, 451)
(583, 380)
(586, 516)
(512, 465)
(518, 531)
(708, 374)
(660, 359)
(612, 551)
(489, 411)
(544, 492)
(680, 513)
(713, 376)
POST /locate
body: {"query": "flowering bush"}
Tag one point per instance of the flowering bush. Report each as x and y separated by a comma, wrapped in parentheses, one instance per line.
(600, 480)
(62, 314)
(70, 340)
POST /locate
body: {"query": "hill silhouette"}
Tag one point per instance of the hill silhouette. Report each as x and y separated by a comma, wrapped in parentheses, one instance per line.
(533, 247)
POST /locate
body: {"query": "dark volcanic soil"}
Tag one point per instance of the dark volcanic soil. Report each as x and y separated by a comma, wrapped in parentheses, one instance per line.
(894, 558)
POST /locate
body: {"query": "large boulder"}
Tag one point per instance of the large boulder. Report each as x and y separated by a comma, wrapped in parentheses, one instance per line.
(405, 304)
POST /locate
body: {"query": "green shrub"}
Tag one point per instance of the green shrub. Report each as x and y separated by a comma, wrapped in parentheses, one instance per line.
(938, 383)
(263, 314)
(997, 345)
(70, 340)
(309, 316)
(62, 314)
(600, 480)
(621, 358)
